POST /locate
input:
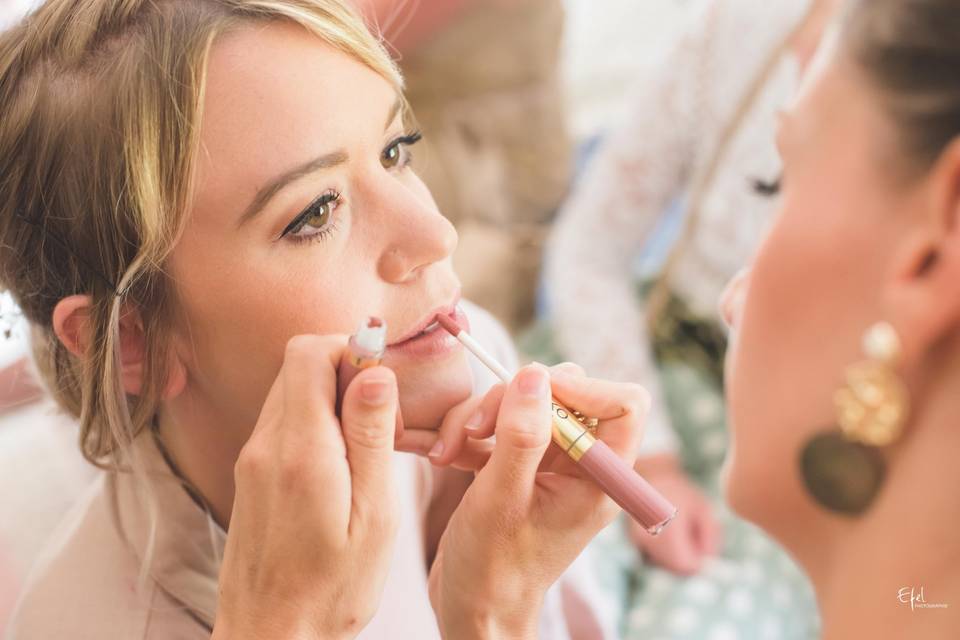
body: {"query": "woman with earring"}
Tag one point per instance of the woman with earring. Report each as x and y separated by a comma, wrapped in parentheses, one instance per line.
(845, 359)
(700, 128)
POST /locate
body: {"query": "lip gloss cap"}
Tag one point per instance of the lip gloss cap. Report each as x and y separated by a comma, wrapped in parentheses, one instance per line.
(372, 335)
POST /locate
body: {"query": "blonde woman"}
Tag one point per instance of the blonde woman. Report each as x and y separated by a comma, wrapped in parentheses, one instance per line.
(198, 200)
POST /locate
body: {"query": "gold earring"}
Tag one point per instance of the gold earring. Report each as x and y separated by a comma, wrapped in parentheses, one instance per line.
(872, 407)
(843, 470)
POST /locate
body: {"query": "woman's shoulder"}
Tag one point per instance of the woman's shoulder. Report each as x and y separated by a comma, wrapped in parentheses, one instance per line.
(85, 584)
(82, 568)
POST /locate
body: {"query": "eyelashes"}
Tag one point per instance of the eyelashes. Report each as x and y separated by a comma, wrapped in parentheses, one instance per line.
(318, 221)
(767, 188)
(395, 155)
(317, 216)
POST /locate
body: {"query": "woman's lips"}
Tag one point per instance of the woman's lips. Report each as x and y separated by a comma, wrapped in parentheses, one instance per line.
(731, 301)
(435, 341)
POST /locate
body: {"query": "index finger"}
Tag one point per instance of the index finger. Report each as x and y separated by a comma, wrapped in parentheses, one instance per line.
(621, 408)
(600, 399)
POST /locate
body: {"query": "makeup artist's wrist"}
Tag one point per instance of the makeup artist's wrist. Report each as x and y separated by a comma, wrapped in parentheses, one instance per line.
(477, 622)
(281, 624)
(223, 630)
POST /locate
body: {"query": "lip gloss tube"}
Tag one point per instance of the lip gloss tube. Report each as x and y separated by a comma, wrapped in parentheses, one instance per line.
(364, 350)
(628, 488)
(625, 486)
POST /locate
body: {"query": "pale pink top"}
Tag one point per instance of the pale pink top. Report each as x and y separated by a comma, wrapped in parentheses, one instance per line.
(86, 585)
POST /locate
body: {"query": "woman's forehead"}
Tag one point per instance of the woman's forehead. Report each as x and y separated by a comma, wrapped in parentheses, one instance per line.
(280, 80)
(276, 96)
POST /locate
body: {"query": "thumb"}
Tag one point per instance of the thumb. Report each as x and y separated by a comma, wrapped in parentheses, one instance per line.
(369, 425)
(522, 435)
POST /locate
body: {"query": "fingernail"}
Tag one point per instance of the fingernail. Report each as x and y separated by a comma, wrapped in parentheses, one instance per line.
(475, 421)
(374, 392)
(437, 450)
(532, 381)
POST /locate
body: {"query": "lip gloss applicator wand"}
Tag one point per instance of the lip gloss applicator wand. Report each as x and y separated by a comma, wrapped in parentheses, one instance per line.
(625, 486)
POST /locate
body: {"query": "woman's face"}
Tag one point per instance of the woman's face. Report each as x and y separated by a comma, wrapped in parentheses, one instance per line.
(816, 285)
(307, 219)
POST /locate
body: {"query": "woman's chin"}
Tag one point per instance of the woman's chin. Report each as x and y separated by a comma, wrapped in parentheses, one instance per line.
(426, 395)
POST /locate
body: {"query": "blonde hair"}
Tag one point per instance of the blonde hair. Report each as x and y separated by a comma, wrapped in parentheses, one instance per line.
(100, 107)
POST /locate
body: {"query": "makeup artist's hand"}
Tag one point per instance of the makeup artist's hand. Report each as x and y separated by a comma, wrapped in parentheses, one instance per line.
(315, 512)
(517, 528)
(463, 439)
(693, 536)
(449, 445)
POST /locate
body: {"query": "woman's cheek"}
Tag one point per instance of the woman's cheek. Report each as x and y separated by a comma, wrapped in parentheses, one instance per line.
(757, 354)
(751, 305)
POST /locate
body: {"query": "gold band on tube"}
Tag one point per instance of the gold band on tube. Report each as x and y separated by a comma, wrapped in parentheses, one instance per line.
(363, 361)
(569, 433)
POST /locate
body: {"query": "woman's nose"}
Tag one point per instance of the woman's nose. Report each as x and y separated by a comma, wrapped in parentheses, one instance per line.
(731, 301)
(419, 236)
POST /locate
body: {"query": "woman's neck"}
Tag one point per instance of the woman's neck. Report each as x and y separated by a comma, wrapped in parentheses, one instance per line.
(886, 591)
(205, 452)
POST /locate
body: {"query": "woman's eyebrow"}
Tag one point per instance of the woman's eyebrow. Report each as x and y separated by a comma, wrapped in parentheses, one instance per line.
(270, 189)
(323, 162)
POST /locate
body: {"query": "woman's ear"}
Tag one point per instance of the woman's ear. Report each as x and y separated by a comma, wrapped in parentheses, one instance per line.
(71, 324)
(132, 350)
(133, 358)
(924, 299)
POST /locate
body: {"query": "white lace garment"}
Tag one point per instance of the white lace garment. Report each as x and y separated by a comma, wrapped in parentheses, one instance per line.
(683, 102)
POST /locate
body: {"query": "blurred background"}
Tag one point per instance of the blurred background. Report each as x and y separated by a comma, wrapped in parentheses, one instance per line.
(602, 50)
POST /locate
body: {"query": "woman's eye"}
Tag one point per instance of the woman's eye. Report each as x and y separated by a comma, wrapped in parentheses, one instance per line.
(391, 156)
(767, 188)
(318, 217)
(315, 219)
(396, 154)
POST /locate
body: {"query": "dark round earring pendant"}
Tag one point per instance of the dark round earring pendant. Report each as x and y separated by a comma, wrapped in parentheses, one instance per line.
(841, 475)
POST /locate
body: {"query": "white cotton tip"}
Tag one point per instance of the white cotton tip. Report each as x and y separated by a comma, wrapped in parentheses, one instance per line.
(372, 335)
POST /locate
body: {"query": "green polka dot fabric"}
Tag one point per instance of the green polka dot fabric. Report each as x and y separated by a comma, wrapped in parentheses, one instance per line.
(751, 591)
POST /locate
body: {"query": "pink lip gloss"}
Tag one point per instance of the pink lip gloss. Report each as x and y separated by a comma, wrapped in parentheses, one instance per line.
(364, 350)
(625, 486)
